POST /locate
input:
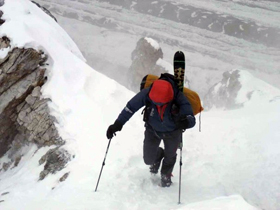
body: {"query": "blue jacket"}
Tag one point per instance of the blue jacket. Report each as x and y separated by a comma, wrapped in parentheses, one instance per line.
(154, 121)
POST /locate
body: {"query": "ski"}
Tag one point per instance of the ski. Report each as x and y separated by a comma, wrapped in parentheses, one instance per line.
(179, 74)
(179, 69)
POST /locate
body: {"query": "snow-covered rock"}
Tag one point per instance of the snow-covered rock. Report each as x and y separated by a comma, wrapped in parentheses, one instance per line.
(238, 88)
(24, 114)
(25, 117)
(144, 61)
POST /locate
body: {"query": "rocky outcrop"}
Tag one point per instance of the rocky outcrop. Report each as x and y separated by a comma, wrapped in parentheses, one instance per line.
(4, 42)
(144, 61)
(55, 160)
(24, 114)
(18, 77)
(224, 93)
(147, 59)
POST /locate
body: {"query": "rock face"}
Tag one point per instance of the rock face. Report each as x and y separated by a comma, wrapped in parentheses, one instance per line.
(224, 93)
(24, 114)
(144, 61)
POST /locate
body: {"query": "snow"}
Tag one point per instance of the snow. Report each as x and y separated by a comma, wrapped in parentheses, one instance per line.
(221, 203)
(153, 43)
(167, 66)
(4, 52)
(27, 20)
(232, 164)
(244, 9)
(217, 87)
(255, 90)
(208, 54)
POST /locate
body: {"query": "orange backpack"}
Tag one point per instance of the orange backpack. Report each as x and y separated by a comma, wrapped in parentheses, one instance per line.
(192, 96)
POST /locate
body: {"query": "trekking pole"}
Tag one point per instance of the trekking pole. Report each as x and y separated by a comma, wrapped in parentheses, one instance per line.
(181, 163)
(103, 164)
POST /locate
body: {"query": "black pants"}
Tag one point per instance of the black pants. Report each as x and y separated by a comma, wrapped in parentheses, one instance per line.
(152, 153)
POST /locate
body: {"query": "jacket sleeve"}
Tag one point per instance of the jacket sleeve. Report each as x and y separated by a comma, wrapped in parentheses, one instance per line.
(185, 109)
(138, 101)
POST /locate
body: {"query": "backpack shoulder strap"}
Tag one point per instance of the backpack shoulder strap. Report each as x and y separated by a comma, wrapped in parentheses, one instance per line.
(146, 111)
(167, 76)
(143, 82)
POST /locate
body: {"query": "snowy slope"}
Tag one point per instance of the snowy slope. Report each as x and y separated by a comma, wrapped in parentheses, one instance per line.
(216, 35)
(233, 164)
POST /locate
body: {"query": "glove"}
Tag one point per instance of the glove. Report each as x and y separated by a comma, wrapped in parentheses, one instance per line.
(112, 129)
(182, 123)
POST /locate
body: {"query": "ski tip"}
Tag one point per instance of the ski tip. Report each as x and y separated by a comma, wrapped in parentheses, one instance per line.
(179, 56)
(179, 53)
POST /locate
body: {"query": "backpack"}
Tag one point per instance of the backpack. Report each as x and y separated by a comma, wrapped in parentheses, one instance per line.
(192, 96)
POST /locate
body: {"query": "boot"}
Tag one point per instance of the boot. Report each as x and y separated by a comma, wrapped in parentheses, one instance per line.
(166, 180)
(154, 168)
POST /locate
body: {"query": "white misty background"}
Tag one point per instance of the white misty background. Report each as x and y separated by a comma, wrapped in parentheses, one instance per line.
(232, 164)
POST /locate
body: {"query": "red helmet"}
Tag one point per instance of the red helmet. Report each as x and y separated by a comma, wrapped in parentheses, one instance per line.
(161, 92)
